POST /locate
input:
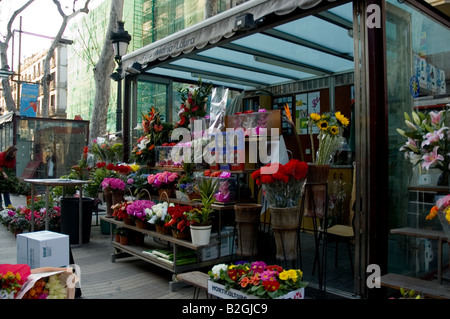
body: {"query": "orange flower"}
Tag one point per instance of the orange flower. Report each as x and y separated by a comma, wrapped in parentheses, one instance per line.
(151, 147)
(433, 213)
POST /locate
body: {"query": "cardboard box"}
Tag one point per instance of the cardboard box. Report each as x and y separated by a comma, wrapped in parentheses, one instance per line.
(43, 249)
(226, 246)
(220, 291)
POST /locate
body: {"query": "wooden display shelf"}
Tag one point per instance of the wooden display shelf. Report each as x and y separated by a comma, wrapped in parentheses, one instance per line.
(173, 243)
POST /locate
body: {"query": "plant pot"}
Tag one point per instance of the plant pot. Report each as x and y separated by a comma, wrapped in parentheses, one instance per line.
(138, 238)
(181, 235)
(200, 234)
(107, 196)
(192, 196)
(124, 240)
(316, 190)
(142, 224)
(162, 229)
(117, 238)
(129, 220)
(70, 223)
(285, 223)
(247, 218)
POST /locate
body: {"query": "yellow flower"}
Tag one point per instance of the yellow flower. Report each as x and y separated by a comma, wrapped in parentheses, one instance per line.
(323, 125)
(134, 167)
(284, 275)
(342, 118)
(315, 116)
(292, 274)
(334, 130)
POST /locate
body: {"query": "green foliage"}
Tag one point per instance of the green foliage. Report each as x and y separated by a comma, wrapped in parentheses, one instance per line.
(208, 188)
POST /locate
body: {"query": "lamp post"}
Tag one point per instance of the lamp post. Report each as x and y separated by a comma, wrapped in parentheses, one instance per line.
(120, 41)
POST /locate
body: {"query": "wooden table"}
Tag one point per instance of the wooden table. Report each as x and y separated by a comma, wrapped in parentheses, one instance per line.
(56, 182)
(428, 234)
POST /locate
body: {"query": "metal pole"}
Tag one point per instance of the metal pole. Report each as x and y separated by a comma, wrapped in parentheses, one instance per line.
(18, 67)
(119, 98)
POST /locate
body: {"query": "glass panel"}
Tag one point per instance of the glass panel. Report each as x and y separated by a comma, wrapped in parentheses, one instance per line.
(417, 80)
(151, 94)
(46, 148)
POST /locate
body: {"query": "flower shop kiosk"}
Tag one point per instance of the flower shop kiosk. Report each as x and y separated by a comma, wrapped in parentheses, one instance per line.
(299, 58)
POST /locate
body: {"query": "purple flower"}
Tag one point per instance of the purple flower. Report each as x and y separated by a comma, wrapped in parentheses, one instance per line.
(137, 208)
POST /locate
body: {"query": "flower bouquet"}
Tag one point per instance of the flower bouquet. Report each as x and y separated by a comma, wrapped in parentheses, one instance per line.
(442, 210)
(178, 222)
(12, 278)
(330, 135)
(113, 183)
(155, 133)
(282, 184)
(193, 102)
(427, 142)
(255, 280)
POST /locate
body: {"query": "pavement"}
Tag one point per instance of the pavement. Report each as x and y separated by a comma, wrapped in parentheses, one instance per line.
(100, 278)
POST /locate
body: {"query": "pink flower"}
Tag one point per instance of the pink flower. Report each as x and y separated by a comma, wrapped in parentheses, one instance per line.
(431, 158)
(434, 137)
(436, 117)
(443, 202)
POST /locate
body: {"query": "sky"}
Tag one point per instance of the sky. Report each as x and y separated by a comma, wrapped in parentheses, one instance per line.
(41, 18)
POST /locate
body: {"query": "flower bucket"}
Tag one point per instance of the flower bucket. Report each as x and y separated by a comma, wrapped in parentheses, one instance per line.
(107, 196)
(128, 220)
(124, 240)
(117, 196)
(315, 190)
(247, 217)
(200, 234)
(285, 224)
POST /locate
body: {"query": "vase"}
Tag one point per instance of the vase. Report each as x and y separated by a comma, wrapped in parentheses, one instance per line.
(181, 235)
(107, 196)
(316, 190)
(117, 196)
(247, 218)
(444, 223)
(285, 223)
(200, 234)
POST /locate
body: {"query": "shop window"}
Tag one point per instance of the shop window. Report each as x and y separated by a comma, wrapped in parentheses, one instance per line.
(418, 79)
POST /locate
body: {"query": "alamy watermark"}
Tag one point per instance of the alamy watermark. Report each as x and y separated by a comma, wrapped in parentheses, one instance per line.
(214, 146)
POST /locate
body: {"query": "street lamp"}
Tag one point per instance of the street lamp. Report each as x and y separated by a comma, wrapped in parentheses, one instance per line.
(5, 73)
(120, 41)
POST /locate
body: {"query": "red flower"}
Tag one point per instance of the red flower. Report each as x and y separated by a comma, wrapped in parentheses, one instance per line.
(233, 274)
(100, 165)
(267, 179)
(271, 285)
(296, 169)
(110, 167)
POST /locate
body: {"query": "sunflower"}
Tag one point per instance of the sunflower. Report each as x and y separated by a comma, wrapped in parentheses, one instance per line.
(334, 130)
(323, 125)
(341, 118)
(315, 116)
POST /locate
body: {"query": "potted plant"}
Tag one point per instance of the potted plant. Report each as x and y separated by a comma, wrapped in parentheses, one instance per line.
(164, 182)
(200, 218)
(178, 223)
(137, 208)
(158, 215)
(124, 236)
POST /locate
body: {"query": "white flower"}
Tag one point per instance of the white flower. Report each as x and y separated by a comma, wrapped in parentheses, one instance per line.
(217, 269)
